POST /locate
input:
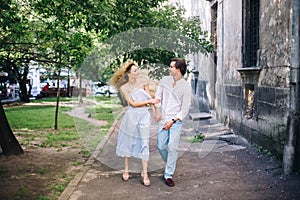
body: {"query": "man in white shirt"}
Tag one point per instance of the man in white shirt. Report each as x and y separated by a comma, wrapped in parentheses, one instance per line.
(175, 99)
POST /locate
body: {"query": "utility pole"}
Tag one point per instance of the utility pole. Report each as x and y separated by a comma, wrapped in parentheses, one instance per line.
(293, 125)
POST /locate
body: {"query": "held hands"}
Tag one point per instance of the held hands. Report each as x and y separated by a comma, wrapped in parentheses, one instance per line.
(154, 101)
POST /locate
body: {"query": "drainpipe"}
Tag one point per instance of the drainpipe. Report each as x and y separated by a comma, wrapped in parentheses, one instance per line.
(294, 110)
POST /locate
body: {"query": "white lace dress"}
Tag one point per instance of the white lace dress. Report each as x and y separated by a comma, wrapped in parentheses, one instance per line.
(134, 131)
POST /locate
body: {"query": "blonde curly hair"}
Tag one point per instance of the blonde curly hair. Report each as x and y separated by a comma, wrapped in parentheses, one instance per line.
(120, 77)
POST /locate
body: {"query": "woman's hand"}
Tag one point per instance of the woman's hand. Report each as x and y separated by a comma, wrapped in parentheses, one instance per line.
(154, 101)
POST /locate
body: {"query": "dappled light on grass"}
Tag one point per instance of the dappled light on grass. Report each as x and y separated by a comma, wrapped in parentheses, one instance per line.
(52, 99)
(104, 111)
(50, 150)
(89, 134)
(59, 139)
(36, 118)
(34, 125)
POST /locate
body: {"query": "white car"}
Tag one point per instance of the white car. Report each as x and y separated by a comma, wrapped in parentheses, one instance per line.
(35, 91)
(106, 90)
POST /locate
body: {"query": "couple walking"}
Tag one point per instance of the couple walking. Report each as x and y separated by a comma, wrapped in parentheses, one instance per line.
(170, 105)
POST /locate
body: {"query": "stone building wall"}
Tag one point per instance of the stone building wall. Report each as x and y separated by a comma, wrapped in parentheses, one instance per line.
(228, 91)
(204, 64)
(267, 125)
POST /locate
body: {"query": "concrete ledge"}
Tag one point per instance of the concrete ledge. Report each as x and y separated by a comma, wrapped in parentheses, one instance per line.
(73, 183)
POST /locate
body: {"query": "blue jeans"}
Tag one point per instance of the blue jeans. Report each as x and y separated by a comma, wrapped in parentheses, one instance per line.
(167, 144)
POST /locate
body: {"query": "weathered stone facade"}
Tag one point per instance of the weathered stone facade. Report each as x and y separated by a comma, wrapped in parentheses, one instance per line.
(255, 101)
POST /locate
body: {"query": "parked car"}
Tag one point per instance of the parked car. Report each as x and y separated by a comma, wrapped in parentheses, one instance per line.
(35, 91)
(106, 90)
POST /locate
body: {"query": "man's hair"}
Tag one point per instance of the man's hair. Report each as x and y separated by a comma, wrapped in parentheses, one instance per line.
(180, 64)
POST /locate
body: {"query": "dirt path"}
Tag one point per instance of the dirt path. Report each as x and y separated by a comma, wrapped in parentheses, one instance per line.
(79, 112)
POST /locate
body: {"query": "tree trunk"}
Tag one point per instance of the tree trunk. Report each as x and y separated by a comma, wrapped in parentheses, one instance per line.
(23, 94)
(68, 87)
(8, 142)
(57, 101)
(80, 90)
(22, 78)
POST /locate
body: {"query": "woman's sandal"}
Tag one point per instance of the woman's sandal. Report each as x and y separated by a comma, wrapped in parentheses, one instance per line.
(125, 176)
(144, 181)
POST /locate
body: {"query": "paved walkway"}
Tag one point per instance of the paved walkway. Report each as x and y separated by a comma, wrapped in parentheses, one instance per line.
(10, 100)
(223, 166)
(79, 113)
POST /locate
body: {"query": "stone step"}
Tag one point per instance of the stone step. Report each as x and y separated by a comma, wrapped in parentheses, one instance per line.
(200, 115)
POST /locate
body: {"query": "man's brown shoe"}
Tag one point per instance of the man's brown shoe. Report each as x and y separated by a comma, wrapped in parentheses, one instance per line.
(170, 182)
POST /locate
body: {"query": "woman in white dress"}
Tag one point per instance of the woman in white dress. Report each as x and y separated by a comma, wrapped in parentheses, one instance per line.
(134, 131)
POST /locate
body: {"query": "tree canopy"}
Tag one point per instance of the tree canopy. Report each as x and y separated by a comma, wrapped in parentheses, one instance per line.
(91, 37)
(63, 33)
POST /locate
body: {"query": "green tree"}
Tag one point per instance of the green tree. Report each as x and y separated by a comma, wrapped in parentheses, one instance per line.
(66, 39)
(148, 33)
(61, 34)
(17, 43)
(49, 32)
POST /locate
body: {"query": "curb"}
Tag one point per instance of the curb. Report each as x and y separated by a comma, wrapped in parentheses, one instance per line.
(74, 182)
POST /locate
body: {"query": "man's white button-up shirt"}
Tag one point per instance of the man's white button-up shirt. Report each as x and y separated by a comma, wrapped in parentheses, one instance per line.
(175, 101)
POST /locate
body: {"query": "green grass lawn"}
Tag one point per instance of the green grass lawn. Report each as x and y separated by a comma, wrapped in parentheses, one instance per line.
(35, 124)
(37, 117)
(53, 99)
(107, 109)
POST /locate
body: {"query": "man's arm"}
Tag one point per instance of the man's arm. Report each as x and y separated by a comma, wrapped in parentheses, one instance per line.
(186, 103)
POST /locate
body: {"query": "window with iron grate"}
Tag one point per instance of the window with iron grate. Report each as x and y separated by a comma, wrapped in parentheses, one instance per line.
(214, 16)
(251, 33)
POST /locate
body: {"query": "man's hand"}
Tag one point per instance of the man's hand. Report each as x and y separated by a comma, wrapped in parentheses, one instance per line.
(167, 125)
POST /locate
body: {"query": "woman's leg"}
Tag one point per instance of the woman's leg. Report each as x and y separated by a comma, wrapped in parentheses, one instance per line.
(126, 169)
(146, 180)
(126, 164)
